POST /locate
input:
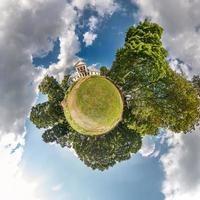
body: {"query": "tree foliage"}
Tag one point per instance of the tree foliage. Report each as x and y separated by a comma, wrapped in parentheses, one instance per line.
(52, 88)
(50, 113)
(56, 133)
(102, 152)
(142, 59)
(196, 83)
(47, 114)
(64, 83)
(160, 98)
(104, 71)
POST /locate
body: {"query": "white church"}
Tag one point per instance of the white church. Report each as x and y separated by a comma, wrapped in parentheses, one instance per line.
(82, 71)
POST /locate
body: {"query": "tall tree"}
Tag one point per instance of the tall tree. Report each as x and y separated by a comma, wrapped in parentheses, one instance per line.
(160, 98)
(142, 59)
(104, 71)
(51, 87)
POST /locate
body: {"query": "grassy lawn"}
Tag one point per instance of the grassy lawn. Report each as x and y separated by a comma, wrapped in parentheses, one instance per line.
(93, 106)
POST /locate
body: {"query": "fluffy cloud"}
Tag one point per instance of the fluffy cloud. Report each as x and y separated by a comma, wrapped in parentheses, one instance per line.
(148, 146)
(92, 23)
(182, 167)
(28, 28)
(102, 7)
(105, 7)
(88, 38)
(13, 185)
(180, 20)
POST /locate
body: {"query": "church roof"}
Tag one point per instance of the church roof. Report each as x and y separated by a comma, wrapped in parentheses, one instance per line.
(80, 62)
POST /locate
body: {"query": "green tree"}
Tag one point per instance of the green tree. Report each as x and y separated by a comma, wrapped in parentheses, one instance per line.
(142, 59)
(64, 83)
(160, 98)
(104, 71)
(56, 133)
(47, 114)
(102, 152)
(51, 87)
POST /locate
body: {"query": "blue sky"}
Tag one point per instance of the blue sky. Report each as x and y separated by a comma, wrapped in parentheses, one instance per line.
(47, 37)
(138, 177)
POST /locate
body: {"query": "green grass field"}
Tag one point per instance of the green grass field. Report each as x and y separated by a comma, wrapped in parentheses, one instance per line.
(93, 106)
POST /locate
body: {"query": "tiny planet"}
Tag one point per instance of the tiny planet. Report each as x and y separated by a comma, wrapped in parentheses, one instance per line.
(93, 105)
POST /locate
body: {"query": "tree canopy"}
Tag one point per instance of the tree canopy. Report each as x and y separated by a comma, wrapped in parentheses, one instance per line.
(160, 97)
(49, 113)
(52, 88)
(97, 152)
(104, 71)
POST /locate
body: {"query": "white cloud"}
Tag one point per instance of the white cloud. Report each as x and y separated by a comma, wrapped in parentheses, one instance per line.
(24, 32)
(182, 167)
(28, 28)
(57, 187)
(88, 38)
(92, 23)
(180, 19)
(148, 146)
(12, 184)
(103, 7)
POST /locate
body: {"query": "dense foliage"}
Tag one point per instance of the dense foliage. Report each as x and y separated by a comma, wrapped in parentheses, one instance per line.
(47, 114)
(51, 87)
(160, 98)
(99, 152)
(104, 71)
(196, 83)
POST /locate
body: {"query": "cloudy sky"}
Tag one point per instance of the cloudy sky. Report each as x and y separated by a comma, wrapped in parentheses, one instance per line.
(39, 37)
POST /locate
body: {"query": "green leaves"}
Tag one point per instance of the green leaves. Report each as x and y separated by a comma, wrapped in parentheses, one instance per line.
(196, 83)
(47, 114)
(51, 87)
(104, 71)
(160, 98)
(102, 152)
(142, 54)
(56, 133)
(64, 83)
